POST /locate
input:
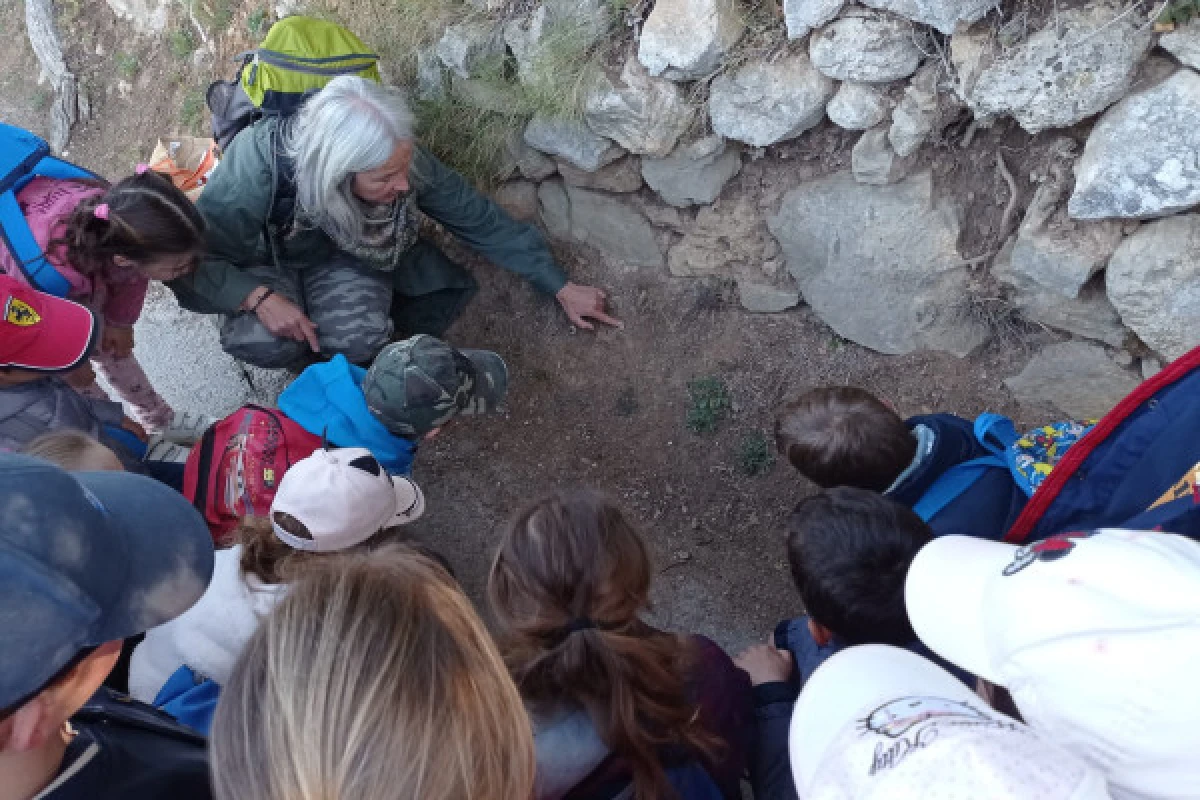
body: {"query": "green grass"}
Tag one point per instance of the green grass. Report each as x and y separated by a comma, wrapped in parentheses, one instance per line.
(256, 22)
(192, 109)
(1179, 12)
(127, 65)
(215, 15)
(182, 43)
(708, 405)
(754, 454)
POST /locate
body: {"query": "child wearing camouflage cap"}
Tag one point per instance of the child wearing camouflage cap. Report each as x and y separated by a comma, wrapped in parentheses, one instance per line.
(416, 386)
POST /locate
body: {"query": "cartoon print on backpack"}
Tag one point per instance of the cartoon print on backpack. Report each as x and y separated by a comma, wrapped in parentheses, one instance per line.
(1051, 549)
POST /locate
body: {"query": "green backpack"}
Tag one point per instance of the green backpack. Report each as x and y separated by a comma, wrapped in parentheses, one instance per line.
(299, 56)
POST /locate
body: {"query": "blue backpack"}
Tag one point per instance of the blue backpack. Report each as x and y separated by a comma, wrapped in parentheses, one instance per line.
(1029, 459)
(24, 157)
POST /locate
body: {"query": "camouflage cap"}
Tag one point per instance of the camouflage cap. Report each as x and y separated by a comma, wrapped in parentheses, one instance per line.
(421, 383)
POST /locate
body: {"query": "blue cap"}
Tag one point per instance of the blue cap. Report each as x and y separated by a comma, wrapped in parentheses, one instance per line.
(86, 558)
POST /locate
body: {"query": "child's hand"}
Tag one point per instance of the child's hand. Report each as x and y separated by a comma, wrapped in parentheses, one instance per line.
(765, 664)
(117, 341)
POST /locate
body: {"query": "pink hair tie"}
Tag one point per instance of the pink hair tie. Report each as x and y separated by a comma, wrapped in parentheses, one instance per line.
(141, 169)
(101, 211)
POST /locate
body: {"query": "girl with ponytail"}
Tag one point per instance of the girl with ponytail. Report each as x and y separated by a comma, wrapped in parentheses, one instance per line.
(616, 703)
(109, 242)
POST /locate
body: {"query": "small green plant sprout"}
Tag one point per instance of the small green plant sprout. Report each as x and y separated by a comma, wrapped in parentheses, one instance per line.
(127, 65)
(754, 454)
(709, 404)
(256, 22)
(182, 43)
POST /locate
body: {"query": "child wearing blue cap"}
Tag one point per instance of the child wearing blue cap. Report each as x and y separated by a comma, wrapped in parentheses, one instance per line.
(87, 560)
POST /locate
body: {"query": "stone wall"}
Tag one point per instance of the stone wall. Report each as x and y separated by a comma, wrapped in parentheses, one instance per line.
(1106, 249)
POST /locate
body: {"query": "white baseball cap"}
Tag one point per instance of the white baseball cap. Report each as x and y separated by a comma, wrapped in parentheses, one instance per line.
(343, 497)
(876, 722)
(1095, 634)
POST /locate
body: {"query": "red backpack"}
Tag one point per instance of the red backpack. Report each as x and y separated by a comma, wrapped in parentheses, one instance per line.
(236, 467)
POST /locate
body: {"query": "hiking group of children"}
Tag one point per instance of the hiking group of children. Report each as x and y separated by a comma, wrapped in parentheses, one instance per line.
(284, 639)
(324, 655)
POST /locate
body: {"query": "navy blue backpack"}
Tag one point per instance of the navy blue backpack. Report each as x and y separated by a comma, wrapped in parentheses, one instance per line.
(23, 157)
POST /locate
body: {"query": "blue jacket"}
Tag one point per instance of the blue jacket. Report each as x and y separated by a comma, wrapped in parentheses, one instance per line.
(987, 508)
(327, 400)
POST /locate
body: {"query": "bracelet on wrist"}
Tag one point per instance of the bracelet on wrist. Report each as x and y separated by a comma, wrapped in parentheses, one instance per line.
(260, 300)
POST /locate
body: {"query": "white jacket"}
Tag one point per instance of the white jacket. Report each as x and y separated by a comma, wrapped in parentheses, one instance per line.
(210, 635)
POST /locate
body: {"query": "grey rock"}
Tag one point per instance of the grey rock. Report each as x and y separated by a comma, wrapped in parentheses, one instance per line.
(683, 40)
(945, 15)
(1154, 281)
(554, 23)
(287, 8)
(519, 199)
(1184, 43)
(601, 221)
(571, 141)
(1053, 253)
(667, 217)
(766, 298)
(643, 114)
(865, 46)
(1057, 76)
(801, 16)
(146, 16)
(621, 176)
(914, 117)
(694, 173)
(880, 265)
(555, 208)
(725, 242)
(764, 103)
(1150, 367)
(531, 163)
(431, 80)
(858, 106)
(1123, 358)
(1074, 378)
(466, 45)
(1140, 159)
(873, 160)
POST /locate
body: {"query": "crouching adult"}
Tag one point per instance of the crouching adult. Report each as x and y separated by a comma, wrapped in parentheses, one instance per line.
(86, 560)
(313, 243)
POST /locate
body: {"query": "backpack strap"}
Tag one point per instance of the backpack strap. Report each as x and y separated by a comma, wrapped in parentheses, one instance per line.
(112, 708)
(995, 432)
(953, 483)
(19, 239)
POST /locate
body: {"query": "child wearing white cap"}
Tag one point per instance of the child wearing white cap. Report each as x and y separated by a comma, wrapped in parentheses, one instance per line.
(1095, 634)
(877, 722)
(332, 501)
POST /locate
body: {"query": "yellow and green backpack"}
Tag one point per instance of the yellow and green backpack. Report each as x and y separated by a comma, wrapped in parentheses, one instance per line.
(296, 59)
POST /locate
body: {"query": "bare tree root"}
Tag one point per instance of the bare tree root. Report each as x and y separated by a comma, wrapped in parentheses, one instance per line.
(70, 104)
(1011, 208)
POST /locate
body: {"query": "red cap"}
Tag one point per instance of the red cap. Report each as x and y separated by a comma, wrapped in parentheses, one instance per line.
(42, 332)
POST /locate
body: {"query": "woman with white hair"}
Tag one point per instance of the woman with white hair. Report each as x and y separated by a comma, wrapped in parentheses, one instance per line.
(313, 244)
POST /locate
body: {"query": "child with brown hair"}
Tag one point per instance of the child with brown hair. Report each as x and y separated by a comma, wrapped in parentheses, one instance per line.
(109, 242)
(615, 702)
(845, 436)
(332, 501)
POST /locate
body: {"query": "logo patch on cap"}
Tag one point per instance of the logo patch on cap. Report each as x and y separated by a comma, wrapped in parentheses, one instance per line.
(19, 313)
(1051, 549)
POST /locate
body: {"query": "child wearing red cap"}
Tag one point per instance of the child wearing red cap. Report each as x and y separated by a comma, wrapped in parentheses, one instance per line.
(43, 338)
(109, 242)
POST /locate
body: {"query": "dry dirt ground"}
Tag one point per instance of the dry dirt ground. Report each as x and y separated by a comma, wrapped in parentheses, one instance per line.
(603, 410)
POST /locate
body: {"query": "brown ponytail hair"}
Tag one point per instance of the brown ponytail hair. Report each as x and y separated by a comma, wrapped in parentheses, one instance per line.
(566, 588)
(270, 560)
(147, 218)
